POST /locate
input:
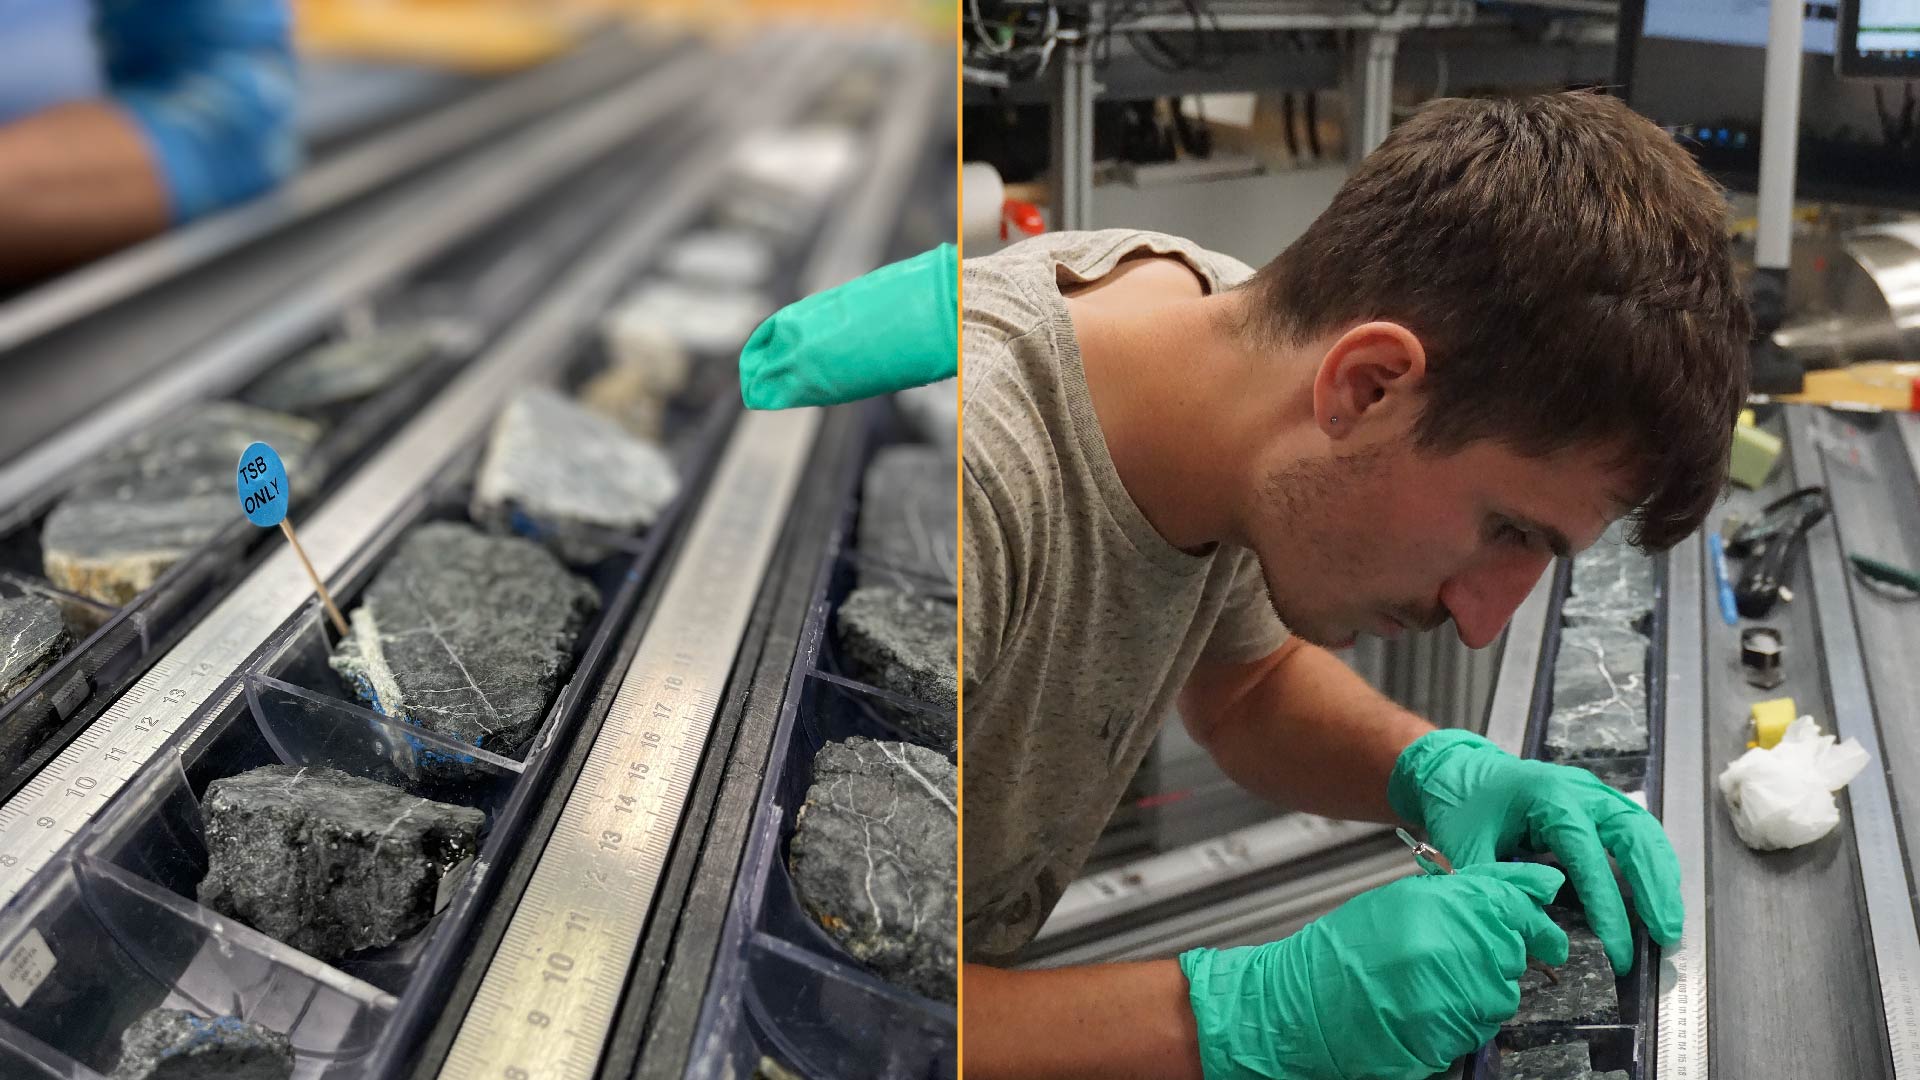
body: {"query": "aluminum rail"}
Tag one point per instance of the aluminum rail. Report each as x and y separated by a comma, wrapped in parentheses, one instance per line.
(475, 195)
(331, 183)
(39, 820)
(1680, 1038)
(1876, 832)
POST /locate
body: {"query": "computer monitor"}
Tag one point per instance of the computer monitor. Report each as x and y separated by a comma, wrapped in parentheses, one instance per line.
(1879, 39)
(1697, 68)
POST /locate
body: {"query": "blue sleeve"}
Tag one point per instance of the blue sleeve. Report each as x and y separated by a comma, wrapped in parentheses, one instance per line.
(212, 85)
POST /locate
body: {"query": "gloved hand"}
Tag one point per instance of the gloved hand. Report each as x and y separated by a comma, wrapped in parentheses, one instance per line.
(1479, 803)
(892, 329)
(1394, 984)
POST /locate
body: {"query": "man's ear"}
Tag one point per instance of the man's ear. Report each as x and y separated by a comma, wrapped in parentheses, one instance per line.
(1360, 370)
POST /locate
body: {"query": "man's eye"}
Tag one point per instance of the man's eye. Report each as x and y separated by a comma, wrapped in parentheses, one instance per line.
(1516, 536)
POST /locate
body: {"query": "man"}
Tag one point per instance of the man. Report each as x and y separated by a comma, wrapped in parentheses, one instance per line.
(1185, 481)
(146, 116)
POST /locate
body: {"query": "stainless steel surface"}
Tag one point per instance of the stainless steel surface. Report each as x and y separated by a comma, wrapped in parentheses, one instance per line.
(469, 199)
(1070, 179)
(1519, 662)
(1251, 918)
(329, 184)
(1168, 875)
(1681, 1048)
(1876, 834)
(36, 823)
(1871, 293)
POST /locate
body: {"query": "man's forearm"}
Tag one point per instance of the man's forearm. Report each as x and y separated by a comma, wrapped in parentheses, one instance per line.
(76, 181)
(1111, 1021)
(1302, 729)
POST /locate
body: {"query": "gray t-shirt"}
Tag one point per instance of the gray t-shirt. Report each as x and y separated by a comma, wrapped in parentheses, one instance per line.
(1082, 622)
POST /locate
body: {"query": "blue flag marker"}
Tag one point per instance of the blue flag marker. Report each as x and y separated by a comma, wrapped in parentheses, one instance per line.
(260, 481)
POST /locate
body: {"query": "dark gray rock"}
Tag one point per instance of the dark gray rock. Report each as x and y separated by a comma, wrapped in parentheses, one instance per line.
(1626, 774)
(327, 862)
(933, 412)
(32, 636)
(1612, 583)
(908, 520)
(466, 635)
(1599, 694)
(1560, 1061)
(905, 643)
(344, 371)
(874, 863)
(1586, 992)
(171, 1044)
(151, 500)
(570, 478)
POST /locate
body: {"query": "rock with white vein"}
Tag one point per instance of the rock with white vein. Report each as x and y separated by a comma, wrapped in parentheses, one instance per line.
(32, 637)
(466, 635)
(874, 863)
(327, 862)
(908, 520)
(571, 478)
(1599, 694)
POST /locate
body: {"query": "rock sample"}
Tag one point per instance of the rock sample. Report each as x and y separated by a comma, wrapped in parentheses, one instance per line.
(32, 636)
(625, 395)
(1612, 583)
(905, 643)
(1585, 994)
(730, 258)
(779, 181)
(171, 1044)
(466, 635)
(700, 318)
(1559, 1061)
(909, 520)
(873, 859)
(344, 371)
(570, 478)
(641, 347)
(1599, 694)
(1627, 774)
(151, 500)
(933, 412)
(326, 862)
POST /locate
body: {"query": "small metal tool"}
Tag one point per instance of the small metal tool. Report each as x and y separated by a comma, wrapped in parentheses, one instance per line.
(1761, 651)
(1434, 862)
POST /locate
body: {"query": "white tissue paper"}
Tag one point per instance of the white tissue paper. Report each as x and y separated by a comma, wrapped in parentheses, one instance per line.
(1783, 797)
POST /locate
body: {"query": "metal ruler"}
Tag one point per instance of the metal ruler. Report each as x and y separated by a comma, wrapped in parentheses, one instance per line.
(547, 1001)
(39, 820)
(1876, 833)
(1680, 1040)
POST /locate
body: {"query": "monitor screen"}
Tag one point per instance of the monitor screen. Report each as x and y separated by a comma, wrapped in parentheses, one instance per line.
(1880, 38)
(1697, 68)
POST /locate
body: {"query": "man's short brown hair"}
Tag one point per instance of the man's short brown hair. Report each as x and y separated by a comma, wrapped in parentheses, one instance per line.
(1565, 265)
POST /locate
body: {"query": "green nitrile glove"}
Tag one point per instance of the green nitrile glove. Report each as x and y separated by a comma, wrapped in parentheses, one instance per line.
(1395, 984)
(1479, 803)
(895, 328)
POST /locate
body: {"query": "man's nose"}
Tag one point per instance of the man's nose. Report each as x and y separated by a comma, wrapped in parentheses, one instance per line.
(1481, 600)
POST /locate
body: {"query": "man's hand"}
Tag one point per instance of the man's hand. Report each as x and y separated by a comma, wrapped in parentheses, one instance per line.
(895, 328)
(1395, 984)
(1479, 803)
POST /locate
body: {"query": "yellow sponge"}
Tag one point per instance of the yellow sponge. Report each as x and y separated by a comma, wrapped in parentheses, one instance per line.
(1754, 454)
(1770, 720)
(1746, 418)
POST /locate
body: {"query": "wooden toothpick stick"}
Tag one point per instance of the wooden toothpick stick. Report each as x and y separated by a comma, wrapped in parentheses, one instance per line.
(339, 623)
